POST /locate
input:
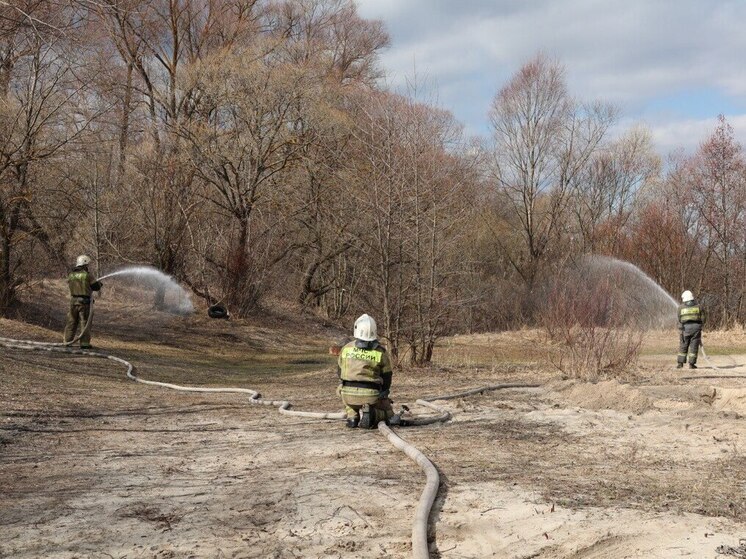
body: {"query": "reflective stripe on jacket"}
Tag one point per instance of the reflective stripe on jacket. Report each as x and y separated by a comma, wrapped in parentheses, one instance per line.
(691, 312)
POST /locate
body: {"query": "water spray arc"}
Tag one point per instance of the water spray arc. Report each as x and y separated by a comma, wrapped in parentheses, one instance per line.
(154, 278)
(608, 262)
(623, 264)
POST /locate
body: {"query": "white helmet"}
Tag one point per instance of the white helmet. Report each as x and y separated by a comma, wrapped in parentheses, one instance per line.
(687, 296)
(83, 260)
(365, 328)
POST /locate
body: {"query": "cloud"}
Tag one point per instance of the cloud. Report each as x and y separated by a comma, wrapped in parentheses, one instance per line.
(628, 53)
(689, 134)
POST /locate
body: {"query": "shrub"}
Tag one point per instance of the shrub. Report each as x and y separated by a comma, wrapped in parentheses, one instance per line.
(589, 328)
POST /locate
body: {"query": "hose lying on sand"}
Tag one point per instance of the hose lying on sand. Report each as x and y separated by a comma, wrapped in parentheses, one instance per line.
(704, 354)
(420, 549)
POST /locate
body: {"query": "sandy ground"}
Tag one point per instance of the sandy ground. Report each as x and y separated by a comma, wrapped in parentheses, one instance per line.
(93, 465)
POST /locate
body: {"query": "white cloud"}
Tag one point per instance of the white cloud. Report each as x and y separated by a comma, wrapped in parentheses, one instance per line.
(689, 134)
(624, 52)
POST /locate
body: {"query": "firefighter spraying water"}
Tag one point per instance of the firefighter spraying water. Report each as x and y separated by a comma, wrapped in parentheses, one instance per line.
(691, 318)
(82, 284)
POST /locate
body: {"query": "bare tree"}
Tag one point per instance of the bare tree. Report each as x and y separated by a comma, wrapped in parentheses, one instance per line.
(323, 228)
(665, 231)
(158, 41)
(543, 141)
(44, 109)
(440, 179)
(244, 139)
(720, 195)
(411, 198)
(331, 34)
(604, 193)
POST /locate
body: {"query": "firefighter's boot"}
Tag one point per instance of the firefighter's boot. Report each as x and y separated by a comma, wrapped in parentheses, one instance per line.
(366, 417)
(352, 422)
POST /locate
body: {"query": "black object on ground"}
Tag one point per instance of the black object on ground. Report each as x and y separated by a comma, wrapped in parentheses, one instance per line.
(217, 311)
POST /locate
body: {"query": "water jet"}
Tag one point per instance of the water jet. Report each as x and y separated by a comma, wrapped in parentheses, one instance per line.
(153, 278)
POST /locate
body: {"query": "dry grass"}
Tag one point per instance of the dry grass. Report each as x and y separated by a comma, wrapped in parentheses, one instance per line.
(717, 342)
(522, 347)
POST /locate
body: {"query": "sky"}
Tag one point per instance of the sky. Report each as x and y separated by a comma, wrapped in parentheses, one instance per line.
(670, 65)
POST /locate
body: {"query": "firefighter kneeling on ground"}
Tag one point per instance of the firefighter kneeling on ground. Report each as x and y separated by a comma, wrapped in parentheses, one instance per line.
(691, 319)
(82, 284)
(365, 378)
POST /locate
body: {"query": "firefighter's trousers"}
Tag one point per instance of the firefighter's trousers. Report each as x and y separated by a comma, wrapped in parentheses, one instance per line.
(77, 316)
(690, 340)
(354, 398)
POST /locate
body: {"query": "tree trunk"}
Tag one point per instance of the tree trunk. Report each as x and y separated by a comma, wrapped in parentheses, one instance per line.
(124, 131)
(240, 289)
(306, 288)
(7, 285)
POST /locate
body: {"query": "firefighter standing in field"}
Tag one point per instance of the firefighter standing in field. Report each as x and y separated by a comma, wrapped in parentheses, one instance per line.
(691, 319)
(365, 375)
(82, 284)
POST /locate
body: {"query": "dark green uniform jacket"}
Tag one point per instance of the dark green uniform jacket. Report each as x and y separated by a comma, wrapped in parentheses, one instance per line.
(690, 313)
(691, 317)
(365, 365)
(82, 283)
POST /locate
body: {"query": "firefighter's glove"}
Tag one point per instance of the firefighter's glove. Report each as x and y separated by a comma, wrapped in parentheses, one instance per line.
(383, 394)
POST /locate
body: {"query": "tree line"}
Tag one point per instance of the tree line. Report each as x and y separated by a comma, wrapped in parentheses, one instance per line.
(250, 149)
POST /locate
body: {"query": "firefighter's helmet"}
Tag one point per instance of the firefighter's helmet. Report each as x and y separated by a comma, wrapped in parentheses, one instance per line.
(83, 260)
(365, 328)
(687, 296)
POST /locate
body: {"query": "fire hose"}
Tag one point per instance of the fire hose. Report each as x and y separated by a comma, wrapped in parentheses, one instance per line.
(704, 354)
(420, 548)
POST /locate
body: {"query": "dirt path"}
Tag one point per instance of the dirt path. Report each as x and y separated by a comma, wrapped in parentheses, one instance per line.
(93, 465)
